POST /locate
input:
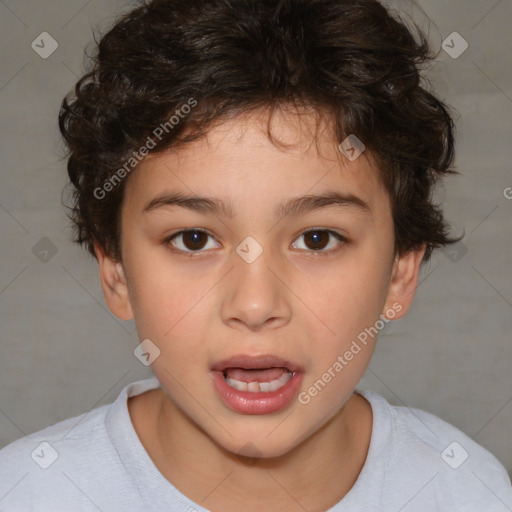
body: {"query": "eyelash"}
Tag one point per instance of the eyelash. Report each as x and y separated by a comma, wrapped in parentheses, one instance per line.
(312, 252)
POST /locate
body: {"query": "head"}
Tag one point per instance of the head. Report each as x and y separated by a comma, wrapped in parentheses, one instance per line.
(218, 116)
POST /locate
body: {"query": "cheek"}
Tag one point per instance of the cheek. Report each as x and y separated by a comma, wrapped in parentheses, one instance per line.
(164, 297)
(345, 296)
(349, 302)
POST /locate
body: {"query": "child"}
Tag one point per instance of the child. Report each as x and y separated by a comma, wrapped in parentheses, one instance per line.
(254, 179)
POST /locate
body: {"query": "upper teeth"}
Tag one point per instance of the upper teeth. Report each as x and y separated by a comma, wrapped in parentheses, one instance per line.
(255, 387)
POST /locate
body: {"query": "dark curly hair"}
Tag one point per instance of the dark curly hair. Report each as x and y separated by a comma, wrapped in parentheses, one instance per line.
(349, 59)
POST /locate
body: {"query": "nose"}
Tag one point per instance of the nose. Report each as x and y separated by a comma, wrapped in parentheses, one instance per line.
(256, 296)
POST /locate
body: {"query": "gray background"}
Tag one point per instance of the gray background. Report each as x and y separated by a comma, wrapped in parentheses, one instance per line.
(63, 353)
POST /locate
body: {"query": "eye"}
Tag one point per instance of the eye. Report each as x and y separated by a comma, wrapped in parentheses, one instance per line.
(190, 241)
(196, 240)
(317, 239)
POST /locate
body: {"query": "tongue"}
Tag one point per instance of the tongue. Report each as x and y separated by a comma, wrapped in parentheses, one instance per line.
(263, 375)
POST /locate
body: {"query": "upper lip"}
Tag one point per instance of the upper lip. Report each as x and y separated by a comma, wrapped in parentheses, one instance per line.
(255, 363)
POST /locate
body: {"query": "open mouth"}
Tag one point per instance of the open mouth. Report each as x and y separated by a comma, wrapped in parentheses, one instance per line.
(263, 380)
(261, 384)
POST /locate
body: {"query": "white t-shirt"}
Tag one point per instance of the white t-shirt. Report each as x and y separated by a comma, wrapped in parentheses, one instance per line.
(96, 462)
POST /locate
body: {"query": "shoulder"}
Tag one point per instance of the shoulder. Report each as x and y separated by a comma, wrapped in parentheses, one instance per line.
(421, 449)
(43, 446)
(73, 464)
(35, 467)
(76, 435)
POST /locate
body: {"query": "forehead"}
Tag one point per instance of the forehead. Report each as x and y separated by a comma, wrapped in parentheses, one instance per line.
(238, 163)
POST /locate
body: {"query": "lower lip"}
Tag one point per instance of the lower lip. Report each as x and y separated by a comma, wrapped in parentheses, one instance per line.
(246, 402)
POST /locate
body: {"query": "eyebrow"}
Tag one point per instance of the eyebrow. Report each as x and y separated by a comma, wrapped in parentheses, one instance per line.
(294, 206)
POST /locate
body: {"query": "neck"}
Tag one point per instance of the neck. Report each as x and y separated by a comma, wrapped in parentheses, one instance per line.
(330, 459)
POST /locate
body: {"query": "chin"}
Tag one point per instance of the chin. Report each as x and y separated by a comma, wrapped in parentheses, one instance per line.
(260, 445)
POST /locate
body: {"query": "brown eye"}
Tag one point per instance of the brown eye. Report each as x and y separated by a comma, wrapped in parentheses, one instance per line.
(192, 240)
(317, 240)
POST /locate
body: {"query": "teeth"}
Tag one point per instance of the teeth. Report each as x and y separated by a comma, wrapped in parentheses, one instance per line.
(266, 387)
(241, 386)
(256, 387)
(253, 387)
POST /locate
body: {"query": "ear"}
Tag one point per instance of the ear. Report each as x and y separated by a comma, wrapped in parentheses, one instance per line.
(403, 282)
(113, 283)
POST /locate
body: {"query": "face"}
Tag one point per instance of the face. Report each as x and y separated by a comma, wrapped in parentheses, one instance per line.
(281, 281)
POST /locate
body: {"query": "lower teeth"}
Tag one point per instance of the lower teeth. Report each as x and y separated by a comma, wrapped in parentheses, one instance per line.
(257, 387)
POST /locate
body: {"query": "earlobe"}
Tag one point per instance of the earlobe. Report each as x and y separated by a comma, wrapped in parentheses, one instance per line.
(114, 285)
(403, 282)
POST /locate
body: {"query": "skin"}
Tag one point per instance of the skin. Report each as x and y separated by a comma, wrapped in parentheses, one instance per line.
(292, 301)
